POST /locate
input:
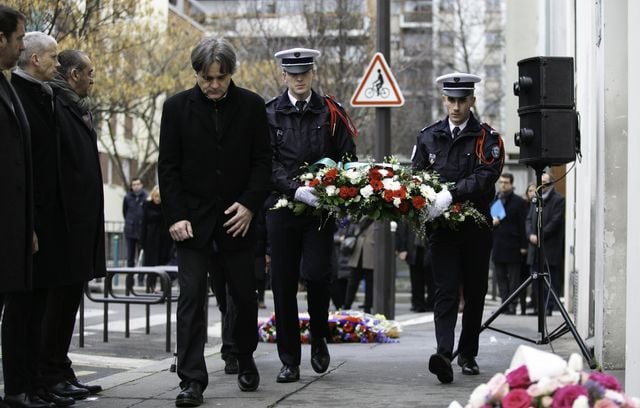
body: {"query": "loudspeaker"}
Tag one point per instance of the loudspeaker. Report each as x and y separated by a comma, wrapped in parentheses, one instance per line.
(547, 136)
(545, 82)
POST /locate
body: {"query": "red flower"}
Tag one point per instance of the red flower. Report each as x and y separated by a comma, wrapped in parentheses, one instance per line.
(388, 195)
(564, 397)
(607, 381)
(456, 208)
(374, 174)
(376, 184)
(400, 193)
(404, 207)
(344, 192)
(348, 327)
(314, 182)
(519, 378)
(332, 173)
(418, 202)
(518, 398)
(353, 191)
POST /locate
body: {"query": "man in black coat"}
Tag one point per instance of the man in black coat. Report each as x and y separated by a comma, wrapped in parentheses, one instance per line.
(83, 209)
(509, 239)
(132, 212)
(18, 243)
(553, 231)
(214, 168)
(415, 251)
(302, 131)
(469, 154)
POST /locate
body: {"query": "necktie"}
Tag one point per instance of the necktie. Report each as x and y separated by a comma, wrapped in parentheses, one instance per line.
(455, 132)
(300, 105)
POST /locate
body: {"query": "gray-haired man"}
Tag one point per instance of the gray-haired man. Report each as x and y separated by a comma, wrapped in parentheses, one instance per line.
(214, 169)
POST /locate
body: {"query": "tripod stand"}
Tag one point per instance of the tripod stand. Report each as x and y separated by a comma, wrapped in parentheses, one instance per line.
(540, 278)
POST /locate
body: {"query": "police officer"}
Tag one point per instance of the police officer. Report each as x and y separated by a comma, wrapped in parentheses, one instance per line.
(305, 127)
(470, 155)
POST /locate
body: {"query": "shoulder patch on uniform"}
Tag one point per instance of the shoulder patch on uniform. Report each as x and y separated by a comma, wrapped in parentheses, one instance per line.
(431, 125)
(488, 127)
(333, 99)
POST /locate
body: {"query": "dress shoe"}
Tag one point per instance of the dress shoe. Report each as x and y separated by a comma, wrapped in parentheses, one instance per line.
(57, 400)
(469, 365)
(288, 374)
(25, 400)
(440, 365)
(248, 377)
(320, 358)
(231, 365)
(190, 396)
(93, 389)
(66, 389)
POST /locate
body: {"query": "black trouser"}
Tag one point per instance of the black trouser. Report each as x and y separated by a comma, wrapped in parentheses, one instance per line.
(293, 238)
(508, 278)
(21, 335)
(421, 275)
(357, 274)
(57, 330)
(460, 260)
(235, 269)
(227, 317)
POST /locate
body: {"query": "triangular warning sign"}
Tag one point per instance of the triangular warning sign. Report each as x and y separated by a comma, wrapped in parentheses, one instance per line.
(378, 87)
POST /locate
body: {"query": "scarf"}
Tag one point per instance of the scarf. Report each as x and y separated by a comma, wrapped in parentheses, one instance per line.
(83, 104)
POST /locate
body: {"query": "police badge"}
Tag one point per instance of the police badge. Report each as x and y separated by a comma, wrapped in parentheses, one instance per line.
(495, 152)
(432, 158)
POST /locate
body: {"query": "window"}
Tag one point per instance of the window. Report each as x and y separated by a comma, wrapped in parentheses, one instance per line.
(418, 11)
(493, 5)
(446, 38)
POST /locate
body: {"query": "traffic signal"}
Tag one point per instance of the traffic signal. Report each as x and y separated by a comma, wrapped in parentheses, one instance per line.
(549, 132)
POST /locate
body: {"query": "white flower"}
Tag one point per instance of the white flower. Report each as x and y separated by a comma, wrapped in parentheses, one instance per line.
(331, 190)
(353, 175)
(427, 192)
(396, 202)
(614, 396)
(581, 402)
(455, 404)
(575, 362)
(479, 396)
(308, 176)
(281, 203)
(383, 172)
(389, 184)
(366, 191)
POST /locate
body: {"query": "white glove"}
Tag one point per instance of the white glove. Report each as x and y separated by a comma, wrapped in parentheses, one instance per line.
(440, 204)
(307, 196)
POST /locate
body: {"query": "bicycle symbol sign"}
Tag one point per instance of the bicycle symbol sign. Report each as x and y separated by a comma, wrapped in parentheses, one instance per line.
(378, 87)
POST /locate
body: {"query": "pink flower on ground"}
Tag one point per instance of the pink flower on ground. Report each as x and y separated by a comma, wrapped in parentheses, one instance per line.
(605, 403)
(519, 377)
(517, 398)
(498, 386)
(564, 397)
(607, 381)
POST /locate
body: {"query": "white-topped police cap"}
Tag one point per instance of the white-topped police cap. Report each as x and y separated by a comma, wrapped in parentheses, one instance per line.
(458, 84)
(297, 60)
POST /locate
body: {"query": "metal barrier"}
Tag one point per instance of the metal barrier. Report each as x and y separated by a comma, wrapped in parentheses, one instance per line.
(131, 297)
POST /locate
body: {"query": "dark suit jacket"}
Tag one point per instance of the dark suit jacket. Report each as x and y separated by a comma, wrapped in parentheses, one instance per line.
(553, 228)
(50, 262)
(509, 237)
(16, 206)
(213, 154)
(406, 240)
(81, 182)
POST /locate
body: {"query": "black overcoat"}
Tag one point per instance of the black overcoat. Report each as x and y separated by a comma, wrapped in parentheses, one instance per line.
(509, 237)
(553, 229)
(81, 187)
(50, 262)
(16, 205)
(213, 154)
(154, 235)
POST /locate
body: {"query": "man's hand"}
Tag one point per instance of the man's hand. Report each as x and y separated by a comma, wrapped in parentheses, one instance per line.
(181, 230)
(307, 195)
(34, 243)
(533, 238)
(241, 220)
(402, 255)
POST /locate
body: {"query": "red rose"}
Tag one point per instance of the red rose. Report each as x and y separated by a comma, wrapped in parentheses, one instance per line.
(564, 397)
(418, 202)
(333, 173)
(388, 195)
(353, 191)
(518, 398)
(344, 192)
(456, 208)
(607, 381)
(404, 207)
(314, 182)
(519, 378)
(376, 185)
(374, 174)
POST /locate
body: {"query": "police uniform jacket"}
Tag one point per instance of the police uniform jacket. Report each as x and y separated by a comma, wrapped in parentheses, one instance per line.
(213, 154)
(81, 190)
(473, 160)
(17, 191)
(303, 137)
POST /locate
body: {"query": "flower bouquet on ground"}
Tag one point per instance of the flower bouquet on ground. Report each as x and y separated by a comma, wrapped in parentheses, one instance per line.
(539, 379)
(380, 191)
(344, 327)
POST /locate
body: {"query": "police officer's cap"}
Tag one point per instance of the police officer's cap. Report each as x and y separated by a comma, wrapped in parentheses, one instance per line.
(458, 84)
(297, 60)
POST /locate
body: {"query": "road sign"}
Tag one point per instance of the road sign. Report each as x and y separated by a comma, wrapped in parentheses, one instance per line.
(378, 87)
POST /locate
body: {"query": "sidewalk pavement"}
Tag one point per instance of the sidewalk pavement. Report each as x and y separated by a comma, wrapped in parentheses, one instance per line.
(360, 375)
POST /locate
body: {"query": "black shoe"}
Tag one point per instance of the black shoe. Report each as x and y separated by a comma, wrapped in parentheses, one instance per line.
(288, 374)
(440, 365)
(320, 358)
(248, 377)
(231, 365)
(66, 389)
(93, 389)
(469, 365)
(57, 400)
(190, 396)
(26, 400)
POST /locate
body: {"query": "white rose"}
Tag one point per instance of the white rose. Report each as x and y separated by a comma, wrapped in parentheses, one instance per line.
(581, 402)
(428, 192)
(479, 396)
(389, 184)
(396, 202)
(383, 172)
(331, 190)
(282, 203)
(366, 191)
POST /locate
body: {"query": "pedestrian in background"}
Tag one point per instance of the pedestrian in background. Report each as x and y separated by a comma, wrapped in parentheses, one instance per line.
(470, 155)
(214, 167)
(414, 250)
(509, 239)
(132, 213)
(302, 131)
(155, 240)
(361, 261)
